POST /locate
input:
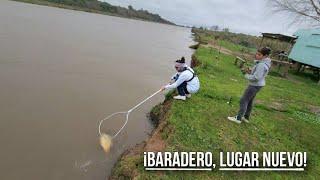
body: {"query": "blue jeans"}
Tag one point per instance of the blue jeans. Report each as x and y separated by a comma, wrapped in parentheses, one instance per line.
(182, 89)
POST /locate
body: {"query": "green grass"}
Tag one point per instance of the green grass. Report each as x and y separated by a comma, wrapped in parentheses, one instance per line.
(205, 37)
(236, 47)
(200, 124)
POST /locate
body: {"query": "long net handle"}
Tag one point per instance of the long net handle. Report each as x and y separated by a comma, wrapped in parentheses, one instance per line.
(146, 99)
(127, 114)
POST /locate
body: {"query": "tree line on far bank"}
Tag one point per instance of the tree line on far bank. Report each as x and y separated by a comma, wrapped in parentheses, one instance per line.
(103, 7)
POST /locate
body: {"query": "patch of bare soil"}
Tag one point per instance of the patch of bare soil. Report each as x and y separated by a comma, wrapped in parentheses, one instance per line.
(314, 109)
(155, 143)
(213, 44)
(222, 49)
(274, 105)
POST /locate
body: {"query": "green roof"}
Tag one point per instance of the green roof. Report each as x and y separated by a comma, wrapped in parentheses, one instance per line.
(307, 47)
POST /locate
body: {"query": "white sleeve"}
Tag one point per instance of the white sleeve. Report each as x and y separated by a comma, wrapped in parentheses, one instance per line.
(182, 78)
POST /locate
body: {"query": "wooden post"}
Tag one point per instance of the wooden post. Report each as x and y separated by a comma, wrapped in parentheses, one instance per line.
(303, 68)
(285, 70)
(298, 67)
(279, 66)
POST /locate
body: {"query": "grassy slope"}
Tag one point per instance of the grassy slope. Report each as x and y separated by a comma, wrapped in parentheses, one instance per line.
(205, 37)
(200, 124)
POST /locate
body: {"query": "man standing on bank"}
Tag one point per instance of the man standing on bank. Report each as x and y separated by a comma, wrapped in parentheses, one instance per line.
(256, 78)
(185, 80)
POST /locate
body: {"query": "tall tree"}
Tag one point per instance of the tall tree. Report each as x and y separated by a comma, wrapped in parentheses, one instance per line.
(302, 10)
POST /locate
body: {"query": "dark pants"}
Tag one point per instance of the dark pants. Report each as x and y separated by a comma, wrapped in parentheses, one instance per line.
(246, 101)
(182, 89)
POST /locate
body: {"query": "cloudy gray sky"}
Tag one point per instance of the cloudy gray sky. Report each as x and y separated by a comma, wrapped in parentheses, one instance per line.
(246, 16)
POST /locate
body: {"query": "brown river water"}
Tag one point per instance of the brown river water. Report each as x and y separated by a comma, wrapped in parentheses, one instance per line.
(61, 71)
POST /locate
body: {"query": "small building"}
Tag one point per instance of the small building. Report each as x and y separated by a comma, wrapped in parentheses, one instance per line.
(303, 50)
(306, 49)
(279, 58)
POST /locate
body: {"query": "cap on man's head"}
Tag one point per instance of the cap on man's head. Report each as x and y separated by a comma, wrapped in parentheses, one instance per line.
(182, 60)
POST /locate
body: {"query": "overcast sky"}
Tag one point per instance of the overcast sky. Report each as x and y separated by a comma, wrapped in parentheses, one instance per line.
(246, 16)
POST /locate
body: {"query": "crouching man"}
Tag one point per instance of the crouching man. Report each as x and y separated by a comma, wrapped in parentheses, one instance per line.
(185, 80)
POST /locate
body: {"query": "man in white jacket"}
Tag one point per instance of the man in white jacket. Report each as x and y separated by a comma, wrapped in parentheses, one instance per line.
(185, 80)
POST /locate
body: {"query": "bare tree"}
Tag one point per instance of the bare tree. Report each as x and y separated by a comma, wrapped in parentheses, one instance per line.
(302, 10)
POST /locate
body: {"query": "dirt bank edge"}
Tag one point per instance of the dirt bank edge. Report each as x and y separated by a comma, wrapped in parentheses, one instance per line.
(127, 165)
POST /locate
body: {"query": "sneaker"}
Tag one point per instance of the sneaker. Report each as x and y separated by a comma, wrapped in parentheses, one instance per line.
(245, 119)
(234, 119)
(188, 95)
(180, 97)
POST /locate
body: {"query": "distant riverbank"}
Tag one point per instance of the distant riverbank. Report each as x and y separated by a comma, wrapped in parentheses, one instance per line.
(95, 6)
